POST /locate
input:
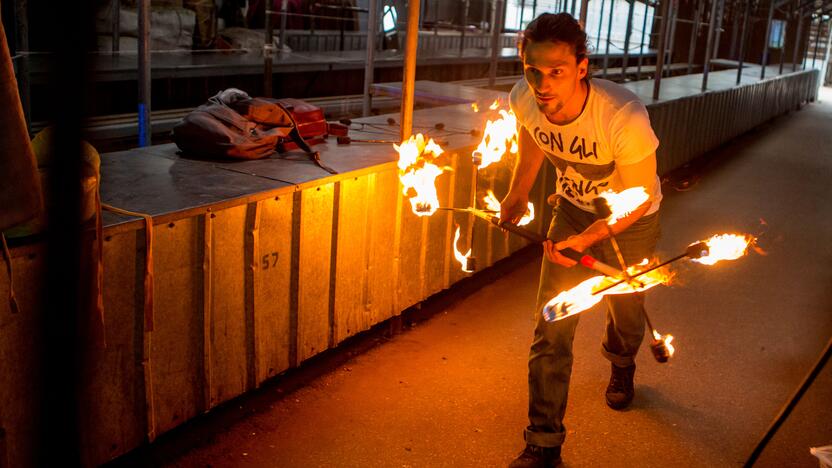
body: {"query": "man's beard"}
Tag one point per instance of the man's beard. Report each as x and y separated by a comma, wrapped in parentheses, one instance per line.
(550, 108)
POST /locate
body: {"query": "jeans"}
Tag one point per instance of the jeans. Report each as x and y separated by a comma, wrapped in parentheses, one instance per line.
(550, 357)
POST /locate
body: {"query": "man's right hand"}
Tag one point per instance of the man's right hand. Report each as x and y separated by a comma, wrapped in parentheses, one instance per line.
(513, 207)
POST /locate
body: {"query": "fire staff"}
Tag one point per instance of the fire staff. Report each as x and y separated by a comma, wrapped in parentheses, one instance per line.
(598, 135)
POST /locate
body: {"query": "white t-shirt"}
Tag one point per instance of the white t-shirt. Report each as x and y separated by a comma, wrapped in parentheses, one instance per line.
(613, 129)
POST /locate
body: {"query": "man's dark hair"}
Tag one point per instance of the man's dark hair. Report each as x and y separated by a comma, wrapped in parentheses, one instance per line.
(560, 27)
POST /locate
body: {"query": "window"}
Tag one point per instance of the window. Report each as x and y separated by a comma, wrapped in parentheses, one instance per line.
(778, 34)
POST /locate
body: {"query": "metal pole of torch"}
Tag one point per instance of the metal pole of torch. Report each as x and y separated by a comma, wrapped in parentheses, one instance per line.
(409, 75)
(793, 401)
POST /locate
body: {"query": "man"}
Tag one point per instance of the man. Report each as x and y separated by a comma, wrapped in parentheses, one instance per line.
(598, 136)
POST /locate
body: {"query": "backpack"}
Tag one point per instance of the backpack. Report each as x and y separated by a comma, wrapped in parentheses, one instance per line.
(234, 125)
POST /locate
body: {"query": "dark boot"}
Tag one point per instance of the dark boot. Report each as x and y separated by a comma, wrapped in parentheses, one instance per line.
(537, 457)
(620, 391)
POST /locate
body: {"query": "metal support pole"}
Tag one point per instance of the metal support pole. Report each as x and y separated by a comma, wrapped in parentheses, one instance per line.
(466, 5)
(116, 13)
(657, 79)
(609, 36)
(735, 34)
(369, 67)
(572, 9)
(409, 74)
(742, 39)
(783, 47)
(584, 8)
(797, 38)
(641, 46)
(718, 30)
(817, 40)
(342, 23)
(629, 31)
(145, 131)
(694, 32)
(534, 9)
(706, 67)
(825, 66)
(284, 8)
(496, 45)
(766, 40)
(672, 34)
(268, 49)
(600, 26)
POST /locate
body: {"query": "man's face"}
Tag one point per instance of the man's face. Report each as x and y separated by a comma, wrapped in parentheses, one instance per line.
(554, 74)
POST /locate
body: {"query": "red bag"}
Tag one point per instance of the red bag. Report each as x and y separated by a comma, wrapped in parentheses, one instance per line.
(233, 124)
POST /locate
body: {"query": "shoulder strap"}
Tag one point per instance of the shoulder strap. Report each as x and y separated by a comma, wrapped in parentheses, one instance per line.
(294, 134)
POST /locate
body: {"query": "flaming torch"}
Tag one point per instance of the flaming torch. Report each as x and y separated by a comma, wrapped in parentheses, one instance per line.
(464, 259)
(418, 173)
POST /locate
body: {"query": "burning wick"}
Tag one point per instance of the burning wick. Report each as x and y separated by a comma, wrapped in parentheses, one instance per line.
(589, 292)
(661, 348)
(495, 105)
(418, 173)
(464, 259)
(623, 203)
(499, 137)
(492, 204)
(724, 247)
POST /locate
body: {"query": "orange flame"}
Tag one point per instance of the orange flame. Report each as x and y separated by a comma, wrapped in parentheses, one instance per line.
(667, 339)
(624, 202)
(725, 247)
(585, 294)
(459, 256)
(418, 173)
(499, 137)
(495, 105)
(475, 106)
(492, 204)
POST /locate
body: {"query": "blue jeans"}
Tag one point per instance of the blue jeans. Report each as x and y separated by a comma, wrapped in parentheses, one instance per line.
(550, 357)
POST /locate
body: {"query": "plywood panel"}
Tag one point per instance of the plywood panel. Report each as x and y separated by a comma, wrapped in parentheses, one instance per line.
(354, 225)
(381, 290)
(113, 418)
(462, 198)
(18, 353)
(177, 349)
(410, 275)
(314, 268)
(437, 241)
(272, 276)
(228, 320)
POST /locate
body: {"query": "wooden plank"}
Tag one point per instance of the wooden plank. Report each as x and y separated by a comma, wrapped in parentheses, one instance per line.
(113, 415)
(437, 244)
(228, 320)
(18, 347)
(354, 226)
(314, 267)
(272, 277)
(409, 266)
(462, 198)
(177, 349)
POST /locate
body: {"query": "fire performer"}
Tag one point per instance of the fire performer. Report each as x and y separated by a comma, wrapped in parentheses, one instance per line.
(598, 135)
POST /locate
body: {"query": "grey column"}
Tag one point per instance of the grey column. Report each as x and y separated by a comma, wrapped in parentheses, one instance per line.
(630, 10)
(116, 13)
(145, 130)
(584, 7)
(369, 67)
(641, 46)
(268, 48)
(466, 5)
(284, 7)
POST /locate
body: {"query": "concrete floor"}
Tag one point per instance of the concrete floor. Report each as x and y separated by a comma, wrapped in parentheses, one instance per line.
(451, 390)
